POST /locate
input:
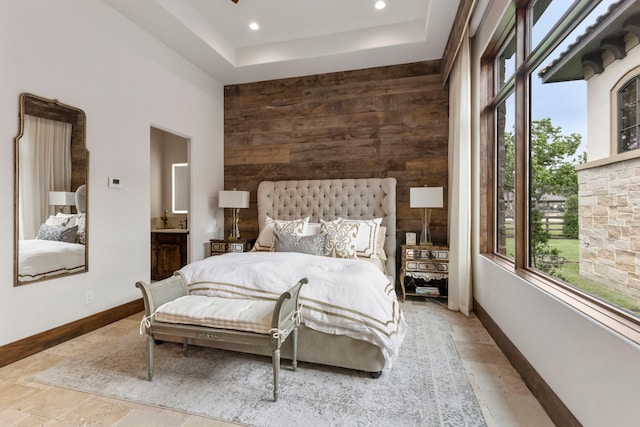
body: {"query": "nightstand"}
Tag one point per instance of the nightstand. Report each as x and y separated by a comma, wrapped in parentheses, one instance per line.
(222, 246)
(425, 270)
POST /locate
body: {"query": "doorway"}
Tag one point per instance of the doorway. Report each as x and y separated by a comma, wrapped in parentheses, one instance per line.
(170, 201)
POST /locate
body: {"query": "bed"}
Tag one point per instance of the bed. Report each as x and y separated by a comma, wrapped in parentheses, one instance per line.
(41, 258)
(59, 248)
(351, 317)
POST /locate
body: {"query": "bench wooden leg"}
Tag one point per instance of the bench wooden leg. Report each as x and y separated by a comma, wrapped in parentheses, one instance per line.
(294, 345)
(151, 344)
(276, 372)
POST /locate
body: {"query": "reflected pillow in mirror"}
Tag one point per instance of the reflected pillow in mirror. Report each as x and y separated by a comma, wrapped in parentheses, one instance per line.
(59, 234)
(312, 245)
(57, 221)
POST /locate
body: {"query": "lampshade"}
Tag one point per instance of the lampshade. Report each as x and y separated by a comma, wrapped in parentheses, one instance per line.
(425, 197)
(62, 198)
(233, 199)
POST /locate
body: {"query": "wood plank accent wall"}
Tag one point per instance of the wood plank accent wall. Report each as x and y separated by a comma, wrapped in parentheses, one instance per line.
(380, 122)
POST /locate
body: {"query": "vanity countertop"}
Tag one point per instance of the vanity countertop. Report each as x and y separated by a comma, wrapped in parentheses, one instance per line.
(170, 230)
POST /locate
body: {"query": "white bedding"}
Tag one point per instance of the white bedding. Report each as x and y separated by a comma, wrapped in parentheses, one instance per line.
(343, 296)
(42, 258)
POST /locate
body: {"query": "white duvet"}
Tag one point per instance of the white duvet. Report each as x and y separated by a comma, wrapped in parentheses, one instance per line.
(43, 258)
(344, 297)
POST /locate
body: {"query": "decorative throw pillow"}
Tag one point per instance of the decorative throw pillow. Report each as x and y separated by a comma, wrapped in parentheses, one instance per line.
(72, 219)
(367, 239)
(59, 234)
(312, 245)
(57, 221)
(340, 240)
(82, 228)
(265, 239)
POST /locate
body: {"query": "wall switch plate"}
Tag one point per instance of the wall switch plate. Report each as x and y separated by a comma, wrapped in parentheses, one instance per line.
(115, 182)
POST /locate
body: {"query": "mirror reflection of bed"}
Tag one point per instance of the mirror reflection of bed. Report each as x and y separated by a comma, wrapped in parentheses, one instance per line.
(50, 229)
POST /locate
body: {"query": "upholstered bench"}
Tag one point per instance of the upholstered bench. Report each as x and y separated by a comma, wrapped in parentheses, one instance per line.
(169, 310)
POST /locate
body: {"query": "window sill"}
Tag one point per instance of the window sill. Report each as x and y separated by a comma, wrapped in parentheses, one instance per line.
(606, 314)
(621, 157)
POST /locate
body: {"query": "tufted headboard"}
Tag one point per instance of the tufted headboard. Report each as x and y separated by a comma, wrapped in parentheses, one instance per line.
(328, 199)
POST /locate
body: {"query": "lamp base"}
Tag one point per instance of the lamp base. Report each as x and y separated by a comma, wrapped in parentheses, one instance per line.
(425, 236)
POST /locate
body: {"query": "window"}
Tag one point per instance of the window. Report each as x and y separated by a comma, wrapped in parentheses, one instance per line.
(550, 213)
(628, 123)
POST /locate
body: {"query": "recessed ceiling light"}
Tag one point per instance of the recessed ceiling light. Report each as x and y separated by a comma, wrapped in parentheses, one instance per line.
(254, 26)
(380, 5)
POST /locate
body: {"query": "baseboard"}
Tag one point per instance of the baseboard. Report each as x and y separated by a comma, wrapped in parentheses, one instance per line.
(17, 350)
(555, 408)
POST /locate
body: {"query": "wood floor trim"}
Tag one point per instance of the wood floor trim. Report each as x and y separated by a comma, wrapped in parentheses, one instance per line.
(17, 350)
(551, 403)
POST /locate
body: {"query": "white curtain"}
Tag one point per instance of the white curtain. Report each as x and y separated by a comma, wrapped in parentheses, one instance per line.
(45, 165)
(460, 278)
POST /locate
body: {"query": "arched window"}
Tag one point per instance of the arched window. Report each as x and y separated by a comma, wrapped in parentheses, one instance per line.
(628, 121)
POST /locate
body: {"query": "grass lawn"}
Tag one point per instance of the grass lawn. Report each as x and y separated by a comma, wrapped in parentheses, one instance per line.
(570, 250)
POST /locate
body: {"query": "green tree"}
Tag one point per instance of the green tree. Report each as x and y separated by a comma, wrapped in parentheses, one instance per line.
(552, 171)
(570, 227)
(552, 161)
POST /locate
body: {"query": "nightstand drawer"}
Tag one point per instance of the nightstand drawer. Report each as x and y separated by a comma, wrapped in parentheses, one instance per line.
(223, 246)
(218, 247)
(426, 266)
(420, 254)
(235, 247)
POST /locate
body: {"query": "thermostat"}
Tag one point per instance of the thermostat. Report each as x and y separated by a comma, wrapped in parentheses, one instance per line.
(115, 182)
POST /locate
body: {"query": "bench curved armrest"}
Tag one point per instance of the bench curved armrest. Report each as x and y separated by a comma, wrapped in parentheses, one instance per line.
(285, 313)
(157, 293)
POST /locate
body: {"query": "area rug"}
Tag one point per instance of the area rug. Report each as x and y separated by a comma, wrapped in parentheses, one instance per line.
(426, 387)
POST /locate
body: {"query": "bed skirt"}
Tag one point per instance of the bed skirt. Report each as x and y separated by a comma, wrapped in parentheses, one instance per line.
(313, 347)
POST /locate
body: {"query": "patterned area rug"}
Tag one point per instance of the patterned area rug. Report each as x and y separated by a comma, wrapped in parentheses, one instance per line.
(426, 387)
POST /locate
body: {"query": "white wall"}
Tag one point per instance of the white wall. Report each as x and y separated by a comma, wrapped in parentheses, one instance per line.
(85, 54)
(592, 369)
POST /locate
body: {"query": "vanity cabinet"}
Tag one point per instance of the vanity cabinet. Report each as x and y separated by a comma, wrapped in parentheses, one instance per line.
(168, 253)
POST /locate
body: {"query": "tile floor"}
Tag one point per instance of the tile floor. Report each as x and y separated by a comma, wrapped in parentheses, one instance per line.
(504, 399)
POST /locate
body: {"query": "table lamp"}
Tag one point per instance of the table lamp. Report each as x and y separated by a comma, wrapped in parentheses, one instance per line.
(425, 198)
(234, 200)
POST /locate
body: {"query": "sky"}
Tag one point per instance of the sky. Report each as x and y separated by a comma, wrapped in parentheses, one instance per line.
(565, 102)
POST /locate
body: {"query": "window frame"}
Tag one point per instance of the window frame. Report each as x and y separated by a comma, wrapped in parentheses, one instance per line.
(636, 81)
(527, 60)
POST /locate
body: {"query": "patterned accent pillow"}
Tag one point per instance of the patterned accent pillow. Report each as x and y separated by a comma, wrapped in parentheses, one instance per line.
(368, 234)
(340, 240)
(59, 234)
(82, 228)
(264, 242)
(312, 245)
(57, 221)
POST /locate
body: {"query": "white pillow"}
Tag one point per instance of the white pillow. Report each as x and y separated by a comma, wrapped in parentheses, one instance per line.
(72, 219)
(313, 228)
(57, 221)
(340, 238)
(367, 238)
(264, 243)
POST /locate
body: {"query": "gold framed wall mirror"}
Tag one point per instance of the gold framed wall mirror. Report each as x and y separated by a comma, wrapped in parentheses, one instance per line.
(51, 215)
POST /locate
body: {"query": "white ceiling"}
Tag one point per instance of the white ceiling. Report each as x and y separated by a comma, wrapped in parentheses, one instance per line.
(296, 37)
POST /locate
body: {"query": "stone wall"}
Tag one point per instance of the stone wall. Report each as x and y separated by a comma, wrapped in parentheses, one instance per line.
(609, 200)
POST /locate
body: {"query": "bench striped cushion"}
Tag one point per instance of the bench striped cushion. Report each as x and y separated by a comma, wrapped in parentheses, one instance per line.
(224, 313)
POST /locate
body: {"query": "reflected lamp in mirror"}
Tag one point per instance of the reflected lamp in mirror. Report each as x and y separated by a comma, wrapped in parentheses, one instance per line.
(234, 200)
(425, 198)
(62, 199)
